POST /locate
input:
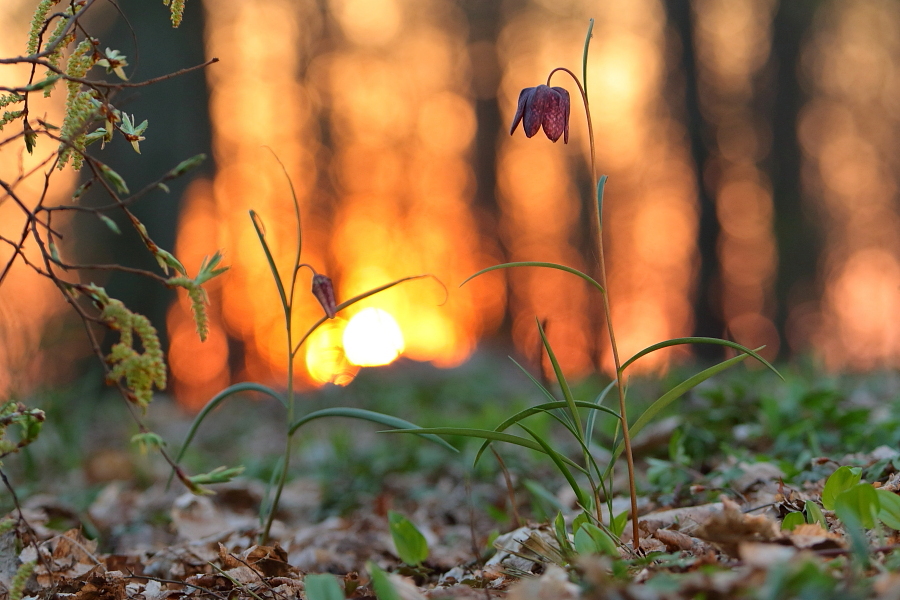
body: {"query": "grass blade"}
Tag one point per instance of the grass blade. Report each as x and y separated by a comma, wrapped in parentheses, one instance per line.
(672, 395)
(217, 399)
(563, 384)
(700, 340)
(258, 226)
(532, 263)
(557, 459)
(368, 415)
(542, 408)
(592, 415)
(487, 434)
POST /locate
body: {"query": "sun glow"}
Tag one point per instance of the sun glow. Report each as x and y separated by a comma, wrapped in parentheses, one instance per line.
(372, 338)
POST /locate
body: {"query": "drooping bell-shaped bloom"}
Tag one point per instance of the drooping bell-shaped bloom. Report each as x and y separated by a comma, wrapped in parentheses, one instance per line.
(543, 106)
(323, 290)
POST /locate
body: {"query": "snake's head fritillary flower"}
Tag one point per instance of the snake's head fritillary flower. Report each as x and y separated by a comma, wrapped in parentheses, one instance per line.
(323, 290)
(543, 106)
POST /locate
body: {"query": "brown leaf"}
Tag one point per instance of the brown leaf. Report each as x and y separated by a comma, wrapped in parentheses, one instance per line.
(812, 536)
(730, 527)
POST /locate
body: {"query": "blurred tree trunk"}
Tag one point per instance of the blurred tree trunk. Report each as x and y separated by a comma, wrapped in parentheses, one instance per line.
(796, 235)
(707, 310)
(178, 118)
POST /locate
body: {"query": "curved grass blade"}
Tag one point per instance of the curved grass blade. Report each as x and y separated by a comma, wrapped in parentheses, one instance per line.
(487, 434)
(592, 415)
(359, 297)
(700, 340)
(531, 263)
(672, 395)
(534, 380)
(258, 226)
(568, 421)
(557, 459)
(539, 408)
(563, 384)
(367, 415)
(217, 399)
(299, 223)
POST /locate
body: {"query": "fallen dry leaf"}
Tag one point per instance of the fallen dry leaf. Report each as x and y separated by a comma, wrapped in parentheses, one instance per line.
(728, 528)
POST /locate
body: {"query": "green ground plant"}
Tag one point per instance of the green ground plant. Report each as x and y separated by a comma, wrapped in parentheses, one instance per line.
(547, 108)
(323, 291)
(62, 54)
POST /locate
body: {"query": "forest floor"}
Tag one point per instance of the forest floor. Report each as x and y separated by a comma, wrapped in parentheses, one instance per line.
(731, 480)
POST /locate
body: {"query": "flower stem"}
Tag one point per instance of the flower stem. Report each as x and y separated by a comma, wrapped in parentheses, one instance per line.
(597, 231)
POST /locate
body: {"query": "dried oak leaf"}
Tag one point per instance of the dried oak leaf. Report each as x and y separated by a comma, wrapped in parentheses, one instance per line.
(727, 529)
(812, 536)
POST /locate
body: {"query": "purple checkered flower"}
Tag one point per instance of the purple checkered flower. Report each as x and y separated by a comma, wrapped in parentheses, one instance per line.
(543, 106)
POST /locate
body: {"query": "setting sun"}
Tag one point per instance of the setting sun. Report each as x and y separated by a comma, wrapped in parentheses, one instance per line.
(372, 337)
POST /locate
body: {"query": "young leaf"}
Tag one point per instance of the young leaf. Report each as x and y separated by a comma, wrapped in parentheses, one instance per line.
(841, 480)
(618, 524)
(322, 587)
(409, 541)
(889, 513)
(579, 519)
(792, 520)
(859, 503)
(559, 526)
(590, 539)
(110, 224)
(384, 588)
(814, 514)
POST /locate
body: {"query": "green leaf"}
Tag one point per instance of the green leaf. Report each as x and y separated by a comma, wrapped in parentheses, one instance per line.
(322, 587)
(186, 165)
(261, 234)
(814, 514)
(889, 513)
(840, 481)
(559, 527)
(218, 399)
(601, 184)
(486, 434)
(698, 340)
(792, 520)
(548, 265)
(409, 541)
(110, 224)
(384, 588)
(590, 539)
(592, 415)
(113, 178)
(672, 395)
(217, 475)
(557, 459)
(563, 384)
(859, 502)
(374, 417)
(618, 524)
(541, 408)
(579, 519)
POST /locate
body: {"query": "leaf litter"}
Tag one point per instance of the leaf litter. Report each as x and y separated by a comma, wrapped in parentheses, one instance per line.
(718, 535)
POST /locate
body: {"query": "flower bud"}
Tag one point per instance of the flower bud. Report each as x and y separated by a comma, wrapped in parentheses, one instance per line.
(323, 290)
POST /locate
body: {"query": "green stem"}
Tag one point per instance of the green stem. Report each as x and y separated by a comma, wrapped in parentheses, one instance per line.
(597, 231)
(282, 478)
